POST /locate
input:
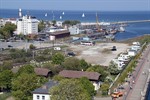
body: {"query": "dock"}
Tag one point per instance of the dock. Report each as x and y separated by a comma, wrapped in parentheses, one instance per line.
(92, 24)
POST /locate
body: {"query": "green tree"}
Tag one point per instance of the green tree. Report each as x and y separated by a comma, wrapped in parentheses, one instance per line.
(32, 47)
(69, 89)
(87, 85)
(54, 22)
(58, 58)
(100, 69)
(26, 69)
(5, 79)
(7, 30)
(83, 64)
(113, 68)
(7, 65)
(104, 89)
(71, 22)
(23, 85)
(72, 63)
(41, 26)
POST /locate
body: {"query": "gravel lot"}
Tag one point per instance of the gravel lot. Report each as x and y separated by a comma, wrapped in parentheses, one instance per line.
(100, 53)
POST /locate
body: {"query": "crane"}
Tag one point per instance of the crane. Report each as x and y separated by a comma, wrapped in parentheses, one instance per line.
(97, 24)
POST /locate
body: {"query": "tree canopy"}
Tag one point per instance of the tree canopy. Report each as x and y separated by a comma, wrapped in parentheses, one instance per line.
(88, 86)
(69, 89)
(71, 22)
(23, 85)
(113, 69)
(100, 69)
(7, 30)
(58, 58)
(5, 79)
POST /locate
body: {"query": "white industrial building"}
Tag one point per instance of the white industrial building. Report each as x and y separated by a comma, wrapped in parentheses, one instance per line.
(74, 30)
(27, 25)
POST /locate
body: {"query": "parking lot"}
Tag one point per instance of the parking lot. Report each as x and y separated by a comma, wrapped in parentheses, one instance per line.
(100, 53)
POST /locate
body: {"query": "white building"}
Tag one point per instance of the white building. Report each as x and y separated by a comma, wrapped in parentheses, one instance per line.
(43, 92)
(59, 23)
(27, 25)
(74, 30)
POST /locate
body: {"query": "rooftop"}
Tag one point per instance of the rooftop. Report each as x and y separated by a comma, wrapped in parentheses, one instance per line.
(41, 71)
(79, 74)
(45, 88)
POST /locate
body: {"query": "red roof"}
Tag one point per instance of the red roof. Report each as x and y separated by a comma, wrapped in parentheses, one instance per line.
(79, 74)
(41, 71)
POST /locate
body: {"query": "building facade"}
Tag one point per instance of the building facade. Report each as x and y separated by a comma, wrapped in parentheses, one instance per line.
(27, 25)
(42, 93)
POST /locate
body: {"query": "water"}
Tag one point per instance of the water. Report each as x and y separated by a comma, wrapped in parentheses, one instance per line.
(133, 30)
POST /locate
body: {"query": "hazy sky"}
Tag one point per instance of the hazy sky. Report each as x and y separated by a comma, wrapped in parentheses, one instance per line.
(99, 5)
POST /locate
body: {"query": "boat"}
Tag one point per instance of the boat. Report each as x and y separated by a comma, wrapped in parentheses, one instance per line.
(45, 14)
(83, 15)
(63, 13)
(121, 29)
(60, 17)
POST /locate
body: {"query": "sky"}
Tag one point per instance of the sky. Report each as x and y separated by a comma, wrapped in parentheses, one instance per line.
(83, 5)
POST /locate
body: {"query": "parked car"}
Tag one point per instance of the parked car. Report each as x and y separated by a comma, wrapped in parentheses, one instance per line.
(71, 54)
(10, 46)
(117, 94)
(114, 48)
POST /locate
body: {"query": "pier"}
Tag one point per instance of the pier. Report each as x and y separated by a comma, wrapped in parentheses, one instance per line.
(92, 24)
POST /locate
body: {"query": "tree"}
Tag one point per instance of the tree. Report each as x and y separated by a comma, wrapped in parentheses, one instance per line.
(23, 85)
(69, 89)
(26, 69)
(5, 79)
(72, 63)
(7, 65)
(7, 30)
(99, 69)
(54, 22)
(58, 58)
(32, 47)
(87, 85)
(41, 26)
(113, 69)
(83, 64)
(71, 22)
(104, 89)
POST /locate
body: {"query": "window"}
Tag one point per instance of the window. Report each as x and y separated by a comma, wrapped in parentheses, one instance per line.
(38, 97)
(43, 97)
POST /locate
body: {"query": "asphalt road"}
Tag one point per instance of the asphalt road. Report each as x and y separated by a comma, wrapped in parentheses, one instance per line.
(136, 89)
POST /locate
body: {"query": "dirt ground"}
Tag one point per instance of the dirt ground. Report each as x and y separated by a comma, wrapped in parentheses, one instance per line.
(100, 53)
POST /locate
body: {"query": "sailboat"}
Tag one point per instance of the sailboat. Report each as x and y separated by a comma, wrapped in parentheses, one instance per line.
(83, 15)
(122, 29)
(45, 14)
(60, 17)
(63, 13)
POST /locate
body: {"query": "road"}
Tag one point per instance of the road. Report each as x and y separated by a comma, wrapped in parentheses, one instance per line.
(136, 88)
(24, 45)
